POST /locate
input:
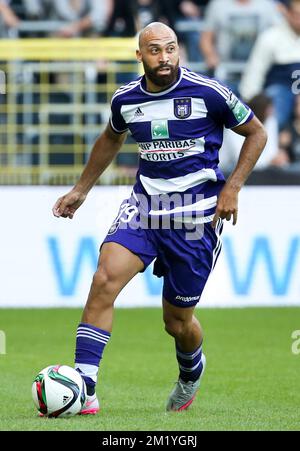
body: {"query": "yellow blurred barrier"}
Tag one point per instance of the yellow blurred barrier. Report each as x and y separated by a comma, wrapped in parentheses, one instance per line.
(110, 49)
(57, 101)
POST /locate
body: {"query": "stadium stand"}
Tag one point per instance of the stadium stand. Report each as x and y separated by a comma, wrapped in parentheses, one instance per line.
(58, 90)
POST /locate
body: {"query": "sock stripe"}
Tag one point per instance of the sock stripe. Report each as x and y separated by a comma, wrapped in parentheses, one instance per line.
(183, 368)
(91, 338)
(190, 363)
(189, 356)
(90, 344)
(88, 335)
(93, 332)
(94, 328)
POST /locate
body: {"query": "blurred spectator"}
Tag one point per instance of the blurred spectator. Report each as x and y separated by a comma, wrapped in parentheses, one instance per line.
(231, 29)
(18, 8)
(189, 13)
(153, 11)
(275, 57)
(147, 12)
(84, 16)
(262, 106)
(290, 139)
(122, 22)
(37, 9)
(284, 2)
(8, 19)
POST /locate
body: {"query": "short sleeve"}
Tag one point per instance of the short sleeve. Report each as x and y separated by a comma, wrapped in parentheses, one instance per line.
(228, 109)
(116, 119)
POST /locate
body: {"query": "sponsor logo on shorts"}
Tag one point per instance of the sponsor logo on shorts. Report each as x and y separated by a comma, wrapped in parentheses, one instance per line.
(114, 227)
(187, 298)
(125, 215)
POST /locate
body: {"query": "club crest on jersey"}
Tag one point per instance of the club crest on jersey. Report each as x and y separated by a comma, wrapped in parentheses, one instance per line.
(183, 107)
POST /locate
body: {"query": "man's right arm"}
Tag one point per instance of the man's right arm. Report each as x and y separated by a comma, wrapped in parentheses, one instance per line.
(102, 154)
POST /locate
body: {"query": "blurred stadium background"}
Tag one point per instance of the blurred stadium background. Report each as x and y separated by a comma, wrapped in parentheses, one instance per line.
(60, 63)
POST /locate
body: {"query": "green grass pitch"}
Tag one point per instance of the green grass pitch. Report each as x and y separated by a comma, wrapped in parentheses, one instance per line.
(251, 381)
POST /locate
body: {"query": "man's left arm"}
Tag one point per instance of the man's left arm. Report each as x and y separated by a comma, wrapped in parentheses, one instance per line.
(255, 141)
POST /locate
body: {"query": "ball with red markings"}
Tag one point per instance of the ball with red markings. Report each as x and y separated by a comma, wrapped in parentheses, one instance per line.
(58, 391)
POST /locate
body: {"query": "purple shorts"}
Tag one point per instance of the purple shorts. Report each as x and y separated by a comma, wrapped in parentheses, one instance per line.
(184, 263)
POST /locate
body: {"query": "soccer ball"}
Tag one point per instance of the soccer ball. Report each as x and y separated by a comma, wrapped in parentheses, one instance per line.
(58, 391)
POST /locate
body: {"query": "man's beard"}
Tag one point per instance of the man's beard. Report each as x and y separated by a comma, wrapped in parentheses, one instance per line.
(159, 79)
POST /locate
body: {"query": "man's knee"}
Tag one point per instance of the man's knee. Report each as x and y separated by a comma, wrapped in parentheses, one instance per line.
(105, 279)
(176, 327)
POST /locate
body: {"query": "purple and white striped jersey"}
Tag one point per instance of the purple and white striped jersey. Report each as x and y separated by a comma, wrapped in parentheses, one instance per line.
(179, 132)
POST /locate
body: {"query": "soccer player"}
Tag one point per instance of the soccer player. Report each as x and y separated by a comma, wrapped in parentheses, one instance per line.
(177, 119)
